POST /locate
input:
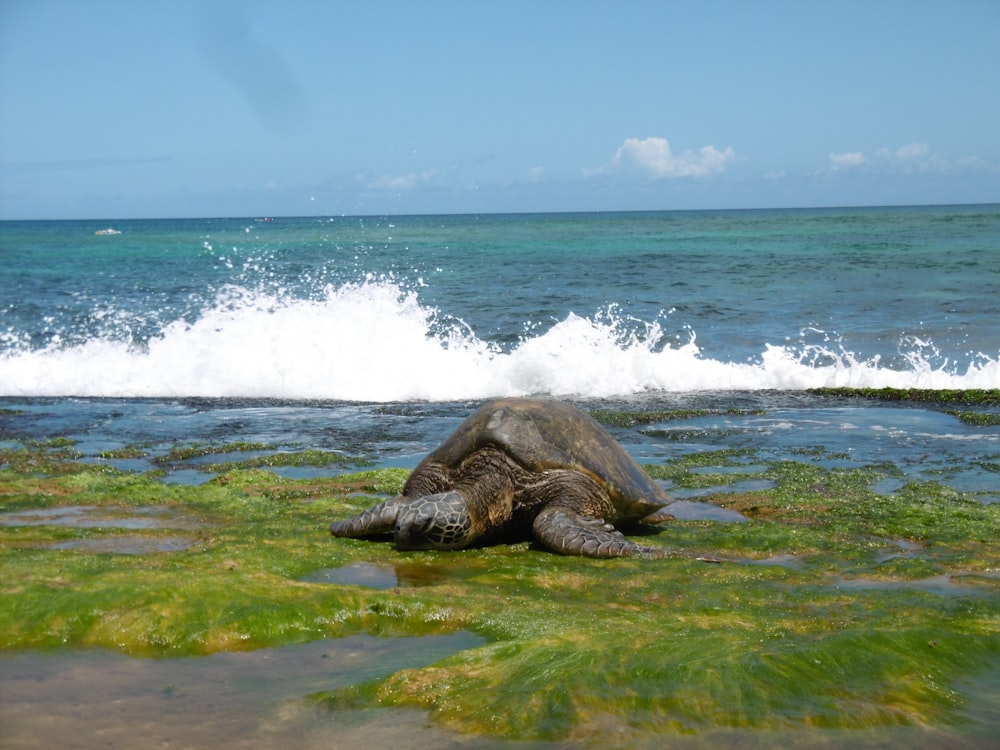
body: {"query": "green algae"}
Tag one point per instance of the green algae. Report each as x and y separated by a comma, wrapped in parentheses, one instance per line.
(985, 397)
(981, 397)
(128, 451)
(840, 607)
(629, 418)
(42, 457)
(235, 588)
(307, 457)
(271, 456)
(977, 418)
(182, 453)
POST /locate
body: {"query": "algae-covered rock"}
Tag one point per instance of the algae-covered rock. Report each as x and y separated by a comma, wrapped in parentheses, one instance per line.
(843, 609)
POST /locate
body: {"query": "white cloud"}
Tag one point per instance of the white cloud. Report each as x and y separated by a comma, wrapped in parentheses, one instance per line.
(913, 158)
(912, 151)
(653, 158)
(910, 158)
(404, 182)
(847, 160)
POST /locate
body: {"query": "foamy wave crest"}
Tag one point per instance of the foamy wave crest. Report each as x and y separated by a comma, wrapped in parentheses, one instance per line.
(375, 341)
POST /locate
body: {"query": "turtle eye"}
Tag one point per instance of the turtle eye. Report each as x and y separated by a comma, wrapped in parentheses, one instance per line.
(416, 530)
(426, 530)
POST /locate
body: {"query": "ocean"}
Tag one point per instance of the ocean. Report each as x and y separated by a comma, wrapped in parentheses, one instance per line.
(434, 308)
(373, 335)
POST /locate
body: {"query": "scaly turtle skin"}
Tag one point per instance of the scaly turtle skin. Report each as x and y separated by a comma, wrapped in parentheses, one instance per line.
(519, 464)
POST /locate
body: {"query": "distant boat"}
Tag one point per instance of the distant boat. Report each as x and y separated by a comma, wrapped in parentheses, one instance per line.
(107, 231)
(265, 220)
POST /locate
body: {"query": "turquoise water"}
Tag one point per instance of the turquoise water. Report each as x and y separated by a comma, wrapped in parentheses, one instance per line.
(447, 307)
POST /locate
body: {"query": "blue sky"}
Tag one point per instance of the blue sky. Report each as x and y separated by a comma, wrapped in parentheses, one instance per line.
(132, 108)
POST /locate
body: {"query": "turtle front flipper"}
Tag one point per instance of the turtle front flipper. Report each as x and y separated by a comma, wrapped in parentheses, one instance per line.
(378, 520)
(564, 530)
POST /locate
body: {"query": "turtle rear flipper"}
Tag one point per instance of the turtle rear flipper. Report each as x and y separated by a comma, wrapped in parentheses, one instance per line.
(564, 530)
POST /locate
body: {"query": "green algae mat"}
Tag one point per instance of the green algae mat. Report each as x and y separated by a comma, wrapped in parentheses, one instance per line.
(840, 611)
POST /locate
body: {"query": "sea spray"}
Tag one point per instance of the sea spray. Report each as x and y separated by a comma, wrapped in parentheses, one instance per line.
(375, 340)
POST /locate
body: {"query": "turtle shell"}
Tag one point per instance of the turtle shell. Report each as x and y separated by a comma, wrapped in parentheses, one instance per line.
(542, 435)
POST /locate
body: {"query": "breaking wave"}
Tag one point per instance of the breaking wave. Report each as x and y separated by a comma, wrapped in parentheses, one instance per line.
(375, 341)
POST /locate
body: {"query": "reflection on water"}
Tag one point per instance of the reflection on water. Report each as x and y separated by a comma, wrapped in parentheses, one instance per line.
(944, 585)
(247, 700)
(148, 518)
(690, 510)
(781, 561)
(389, 575)
(127, 545)
(371, 575)
(102, 517)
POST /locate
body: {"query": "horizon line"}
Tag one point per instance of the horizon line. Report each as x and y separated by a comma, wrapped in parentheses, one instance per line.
(259, 218)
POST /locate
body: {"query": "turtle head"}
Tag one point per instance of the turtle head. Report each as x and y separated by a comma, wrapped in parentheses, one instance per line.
(439, 521)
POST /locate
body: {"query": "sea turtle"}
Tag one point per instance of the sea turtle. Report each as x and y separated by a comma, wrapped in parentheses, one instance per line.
(518, 464)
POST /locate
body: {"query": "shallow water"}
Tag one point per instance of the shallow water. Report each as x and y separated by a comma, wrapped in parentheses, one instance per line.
(248, 700)
(127, 545)
(921, 441)
(944, 585)
(258, 700)
(372, 575)
(150, 518)
(102, 517)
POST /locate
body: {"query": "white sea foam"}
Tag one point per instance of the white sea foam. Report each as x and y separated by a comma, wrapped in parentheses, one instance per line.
(374, 341)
